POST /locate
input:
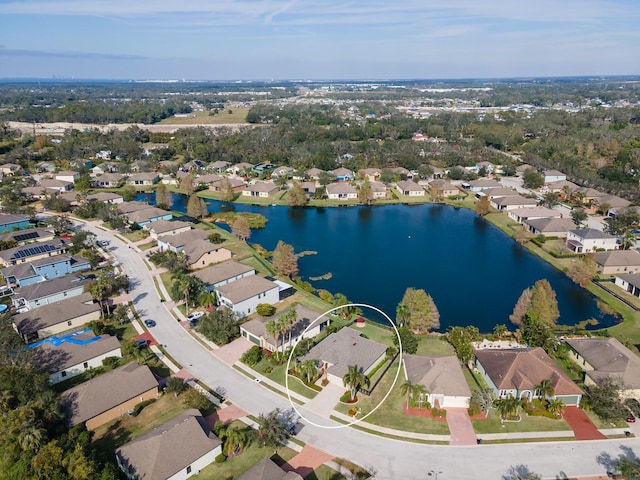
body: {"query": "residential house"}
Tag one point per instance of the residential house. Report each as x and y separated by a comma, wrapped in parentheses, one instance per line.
(267, 469)
(562, 186)
(176, 243)
(586, 195)
(10, 169)
(261, 190)
(125, 208)
(549, 227)
(175, 450)
(223, 273)
(143, 179)
(59, 186)
(372, 174)
(613, 202)
(244, 295)
(309, 188)
(32, 251)
(553, 176)
(604, 358)
(109, 180)
(42, 269)
(481, 184)
(341, 191)
(629, 282)
(403, 172)
(282, 172)
(206, 180)
(56, 318)
(497, 193)
(218, 166)
(343, 349)
(585, 240)
(201, 253)
(518, 372)
(160, 228)
(10, 222)
(103, 154)
(512, 202)
(106, 197)
(313, 173)
(520, 169)
(378, 190)
(240, 168)
(445, 188)
(67, 176)
(617, 261)
(51, 291)
(45, 167)
(343, 174)
(148, 215)
(442, 377)
(27, 236)
(68, 356)
(308, 325)
(36, 193)
(109, 396)
(237, 184)
(106, 167)
(410, 188)
(520, 215)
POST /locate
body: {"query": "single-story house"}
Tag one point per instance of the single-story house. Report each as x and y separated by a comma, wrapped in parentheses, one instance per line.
(517, 372)
(175, 450)
(149, 215)
(410, 188)
(59, 186)
(559, 187)
(585, 240)
(237, 184)
(341, 191)
(373, 174)
(255, 330)
(261, 190)
(45, 167)
(512, 202)
(617, 261)
(51, 291)
(10, 222)
(529, 213)
(176, 243)
(488, 166)
(218, 165)
(240, 168)
(29, 235)
(109, 396)
(37, 193)
(103, 154)
(105, 167)
(244, 295)
(67, 176)
(143, 178)
(109, 180)
(549, 227)
(267, 469)
(553, 176)
(343, 174)
(614, 202)
(125, 208)
(106, 197)
(206, 180)
(160, 228)
(10, 169)
(313, 173)
(520, 169)
(442, 377)
(32, 251)
(378, 190)
(42, 269)
(309, 188)
(68, 356)
(603, 358)
(282, 172)
(55, 318)
(446, 189)
(223, 273)
(403, 172)
(343, 349)
(588, 194)
(629, 282)
(481, 184)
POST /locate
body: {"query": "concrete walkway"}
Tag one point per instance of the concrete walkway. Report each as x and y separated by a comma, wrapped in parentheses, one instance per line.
(325, 401)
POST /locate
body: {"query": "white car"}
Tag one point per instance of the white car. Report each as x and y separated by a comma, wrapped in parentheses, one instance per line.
(103, 243)
(195, 316)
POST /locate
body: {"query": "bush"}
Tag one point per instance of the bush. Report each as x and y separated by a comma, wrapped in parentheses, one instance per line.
(265, 309)
(391, 352)
(221, 458)
(138, 408)
(252, 356)
(325, 382)
(110, 362)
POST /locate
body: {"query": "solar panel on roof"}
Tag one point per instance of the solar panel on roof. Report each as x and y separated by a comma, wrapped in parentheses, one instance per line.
(26, 236)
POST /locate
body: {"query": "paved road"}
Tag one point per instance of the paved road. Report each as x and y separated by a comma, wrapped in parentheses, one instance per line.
(386, 458)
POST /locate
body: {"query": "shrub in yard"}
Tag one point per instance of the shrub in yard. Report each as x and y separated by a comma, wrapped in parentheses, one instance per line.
(265, 310)
(110, 362)
(138, 408)
(221, 458)
(194, 399)
(252, 356)
(325, 382)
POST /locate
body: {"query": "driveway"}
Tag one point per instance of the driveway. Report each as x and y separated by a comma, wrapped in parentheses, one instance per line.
(325, 401)
(460, 427)
(582, 426)
(306, 461)
(232, 352)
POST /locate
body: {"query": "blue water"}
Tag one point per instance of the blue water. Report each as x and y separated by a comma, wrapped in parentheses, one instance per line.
(474, 272)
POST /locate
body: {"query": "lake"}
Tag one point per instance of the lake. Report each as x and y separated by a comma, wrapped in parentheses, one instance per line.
(474, 271)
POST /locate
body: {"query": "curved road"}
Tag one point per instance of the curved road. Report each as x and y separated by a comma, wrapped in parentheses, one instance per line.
(386, 458)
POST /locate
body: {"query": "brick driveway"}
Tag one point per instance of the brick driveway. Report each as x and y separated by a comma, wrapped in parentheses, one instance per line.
(306, 461)
(460, 427)
(232, 352)
(582, 426)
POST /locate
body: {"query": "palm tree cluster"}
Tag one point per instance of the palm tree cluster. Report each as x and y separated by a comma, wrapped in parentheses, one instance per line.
(278, 327)
(355, 379)
(414, 393)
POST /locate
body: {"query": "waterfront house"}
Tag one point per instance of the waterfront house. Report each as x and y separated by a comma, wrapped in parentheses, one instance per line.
(445, 188)
(175, 450)
(549, 227)
(148, 215)
(306, 319)
(109, 396)
(143, 179)
(341, 191)
(512, 202)
(176, 243)
(243, 295)
(517, 373)
(160, 228)
(345, 348)
(56, 318)
(109, 180)
(604, 358)
(530, 213)
(51, 291)
(441, 376)
(410, 188)
(10, 222)
(617, 261)
(223, 273)
(585, 240)
(629, 282)
(237, 184)
(378, 190)
(260, 190)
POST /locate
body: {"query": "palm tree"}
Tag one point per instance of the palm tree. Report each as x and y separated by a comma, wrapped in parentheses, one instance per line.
(309, 369)
(419, 390)
(402, 314)
(31, 437)
(234, 441)
(500, 330)
(545, 389)
(508, 407)
(407, 389)
(273, 330)
(555, 407)
(290, 317)
(207, 299)
(355, 378)
(272, 430)
(283, 326)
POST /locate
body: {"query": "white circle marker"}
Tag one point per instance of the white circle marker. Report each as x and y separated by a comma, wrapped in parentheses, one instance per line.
(356, 420)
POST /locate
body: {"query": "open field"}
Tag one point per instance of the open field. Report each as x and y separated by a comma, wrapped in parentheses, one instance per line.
(237, 115)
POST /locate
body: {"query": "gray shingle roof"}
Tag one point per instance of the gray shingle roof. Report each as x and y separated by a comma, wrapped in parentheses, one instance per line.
(266, 469)
(618, 258)
(222, 271)
(591, 233)
(304, 318)
(55, 313)
(246, 288)
(50, 287)
(56, 356)
(164, 226)
(440, 375)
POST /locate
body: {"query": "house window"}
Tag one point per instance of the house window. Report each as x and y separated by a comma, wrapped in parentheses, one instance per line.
(63, 374)
(69, 323)
(189, 469)
(85, 364)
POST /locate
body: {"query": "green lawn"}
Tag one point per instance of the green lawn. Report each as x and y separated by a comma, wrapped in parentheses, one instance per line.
(376, 333)
(391, 413)
(434, 345)
(136, 236)
(493, 424)
(278, 375)
(325, 473)
(147, 246)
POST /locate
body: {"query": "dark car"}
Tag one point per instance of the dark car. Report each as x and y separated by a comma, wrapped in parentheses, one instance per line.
(150, 323)
(142, 343)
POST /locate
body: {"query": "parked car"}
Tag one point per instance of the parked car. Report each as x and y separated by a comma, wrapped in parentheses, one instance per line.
(630, 417)
(142, 343)
(103, 243)
(150, 323)
(195, 316)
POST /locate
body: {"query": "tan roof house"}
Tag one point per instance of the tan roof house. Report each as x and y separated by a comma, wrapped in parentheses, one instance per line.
(530, 213)
(260, 190)
(512, 202)
(373, 174)
(201, 253)
(341, 191)
(109, 396)
(223, 273)
(549, 227)
(148, 215)
(410, 188)
(446, 189)
(160, 228)
(603, 358)
(143, 178)
(175, 450)
(237, 184)
(243, 295)
(517, 372)
(617, 261)
(267, 469)
(109, 180)
(442, 378)
(57, 185)
(378, 189)
(67, 176)
(106, 197)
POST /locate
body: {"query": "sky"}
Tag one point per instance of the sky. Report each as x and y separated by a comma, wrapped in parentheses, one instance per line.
(317, 39)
